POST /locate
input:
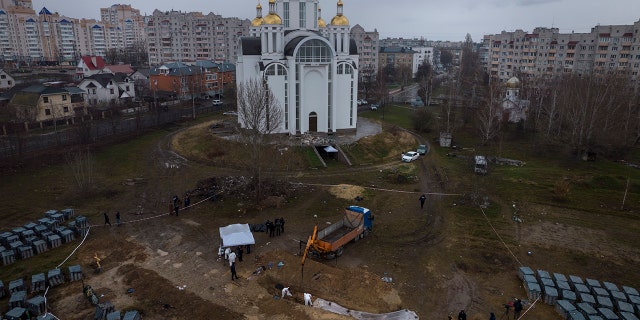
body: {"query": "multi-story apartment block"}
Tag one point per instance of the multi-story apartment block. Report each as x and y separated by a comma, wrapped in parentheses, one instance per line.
(396, 58)
(368, 43)
(127, 24)
(192, 36)
(545, 52)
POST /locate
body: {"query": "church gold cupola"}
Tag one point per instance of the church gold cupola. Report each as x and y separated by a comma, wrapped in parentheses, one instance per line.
(339, 31)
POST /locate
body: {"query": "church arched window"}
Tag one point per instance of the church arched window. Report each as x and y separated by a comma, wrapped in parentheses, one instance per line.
(314, 51)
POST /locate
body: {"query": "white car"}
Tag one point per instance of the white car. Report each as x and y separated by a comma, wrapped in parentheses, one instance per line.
(217, 102)
(230, 113)
(410, 156)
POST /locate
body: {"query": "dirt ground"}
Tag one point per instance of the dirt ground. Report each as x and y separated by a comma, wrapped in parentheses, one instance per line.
(171, 262)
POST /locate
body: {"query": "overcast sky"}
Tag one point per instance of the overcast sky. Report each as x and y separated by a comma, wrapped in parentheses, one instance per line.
(432, 19)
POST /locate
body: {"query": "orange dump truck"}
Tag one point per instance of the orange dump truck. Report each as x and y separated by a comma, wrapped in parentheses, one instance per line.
(329, 242)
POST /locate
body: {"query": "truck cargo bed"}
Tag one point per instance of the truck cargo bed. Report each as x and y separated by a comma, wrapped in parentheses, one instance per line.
(335, 235)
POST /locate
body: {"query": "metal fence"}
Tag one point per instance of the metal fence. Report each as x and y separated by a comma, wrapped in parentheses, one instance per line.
(16, 145)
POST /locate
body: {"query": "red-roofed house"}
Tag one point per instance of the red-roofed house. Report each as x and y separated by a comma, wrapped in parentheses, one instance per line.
(89, 65)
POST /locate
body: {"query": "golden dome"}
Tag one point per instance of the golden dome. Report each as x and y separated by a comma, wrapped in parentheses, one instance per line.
(272, 18)
(321, 23)
(339, 20)
(256, 22)
(513, 83)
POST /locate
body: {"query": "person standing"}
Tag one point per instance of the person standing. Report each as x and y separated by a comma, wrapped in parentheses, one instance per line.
(462, 315)
(118, 218)
(232, 265)
(492, 316)
(187, 201)
(239, 253)
(277, 226)
(176, 204)
(285, 292)
(423, 198)
(248, 248)
(106, 219)
(282, 224)
(517, 308)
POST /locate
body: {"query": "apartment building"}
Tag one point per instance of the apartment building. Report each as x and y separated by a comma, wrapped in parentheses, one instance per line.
(368, 43)
(545, 52)
(192, 36)
(48, 38)
(397, 58)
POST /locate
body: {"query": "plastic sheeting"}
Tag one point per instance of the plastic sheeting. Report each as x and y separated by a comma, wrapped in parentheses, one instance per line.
(236, 235)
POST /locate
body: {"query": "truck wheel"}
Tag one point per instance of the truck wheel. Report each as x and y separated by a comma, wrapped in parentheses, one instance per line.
(339, 252)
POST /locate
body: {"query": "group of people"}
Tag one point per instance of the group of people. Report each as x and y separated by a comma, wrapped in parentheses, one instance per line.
(516, 304)
(275, 227)
(176, 203)
(232, 256)
(107, 221)
(307, 296)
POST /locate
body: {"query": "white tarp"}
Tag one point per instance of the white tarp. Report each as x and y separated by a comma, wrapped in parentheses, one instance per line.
(330, 149)
(236, 235)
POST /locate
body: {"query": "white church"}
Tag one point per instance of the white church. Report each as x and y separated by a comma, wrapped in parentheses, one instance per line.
(310, 66)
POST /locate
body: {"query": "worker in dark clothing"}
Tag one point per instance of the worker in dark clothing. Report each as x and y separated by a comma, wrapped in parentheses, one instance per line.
(239, 253)
(423, 198)
(462, 315)
(492, 316)
(187, 201)
(282, 224)
(517, 308)
(106, 219)
(277, 226)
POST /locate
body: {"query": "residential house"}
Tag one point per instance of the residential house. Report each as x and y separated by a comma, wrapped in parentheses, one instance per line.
(121, 68)
(140, 80)
(6, 80)
(90, 65)
(176, 80)
(108, 89)
(39, 103)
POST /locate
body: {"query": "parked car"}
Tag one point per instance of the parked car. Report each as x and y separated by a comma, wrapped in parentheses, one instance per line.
(374, 106)
(217, 102)
(410, 156)
(422, 149)
(362, 102)
(230, 113)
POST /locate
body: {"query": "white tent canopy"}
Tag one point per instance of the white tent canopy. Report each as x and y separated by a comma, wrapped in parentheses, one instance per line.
(330, 149)
(236, 235)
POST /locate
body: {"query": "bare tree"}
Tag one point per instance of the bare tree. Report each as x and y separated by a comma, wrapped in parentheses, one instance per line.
(488, 116)
(260, 116)
(80, 164)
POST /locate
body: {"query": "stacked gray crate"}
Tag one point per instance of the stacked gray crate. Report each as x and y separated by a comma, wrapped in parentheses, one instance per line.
(529, 278)
(49, 223)
(608, 314)
(2, 293)
(36, 305)
(25, 252)
(604, 302)
(15, 313)
(564, 308)
(58, 217)
(18, 230)
(83, 225)
(533, 290)
(18, 299)
(16, 285)
(4, 238)
(26, 234)
(630, 291)
(547, 282)
(550, 295)
(622, 306)
(29, 226)
(38, 282)
(102, 309)
(610, 286)
(50, 213)
(575, 280)
(115, 315)
(54, 241)
(563, 285)
(39, 229)
(588, 298)
(8, 257)
(525, 271)
(68, 213)
(618, 296)
(132, 315)
(594, 317)
(543, 274)
(39, 246)
(635, 301)
(581, 288)
(568, 295)
(14, 245)
(54, 277)
(66, 235)
(597, 291)
(627, 316)
(586, 308)
(46, 316)
(75, 273)
(576, 315)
